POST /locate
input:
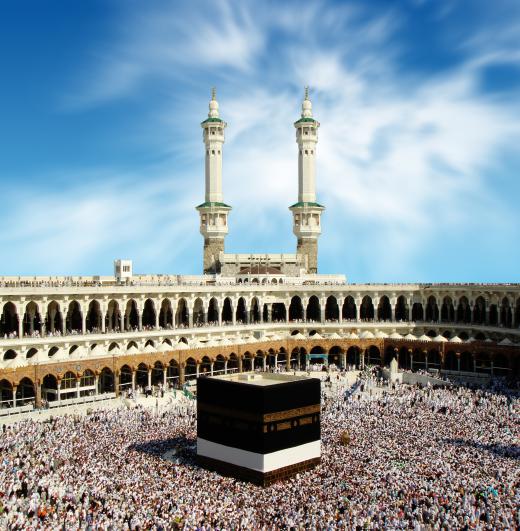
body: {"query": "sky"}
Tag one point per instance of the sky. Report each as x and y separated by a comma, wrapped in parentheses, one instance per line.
(418, 160)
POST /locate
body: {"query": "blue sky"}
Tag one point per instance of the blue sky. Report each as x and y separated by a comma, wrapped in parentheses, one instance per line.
(101, 152)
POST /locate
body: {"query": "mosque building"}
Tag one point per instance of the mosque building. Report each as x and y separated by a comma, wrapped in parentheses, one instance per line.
(74, 339)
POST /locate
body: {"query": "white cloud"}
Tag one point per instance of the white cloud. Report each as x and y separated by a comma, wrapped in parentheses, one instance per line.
(406, 158)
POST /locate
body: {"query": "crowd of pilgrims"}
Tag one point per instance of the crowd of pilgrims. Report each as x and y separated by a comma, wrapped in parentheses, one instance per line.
(418, 458)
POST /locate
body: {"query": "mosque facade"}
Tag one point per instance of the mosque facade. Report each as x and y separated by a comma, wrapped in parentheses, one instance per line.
(72, 339)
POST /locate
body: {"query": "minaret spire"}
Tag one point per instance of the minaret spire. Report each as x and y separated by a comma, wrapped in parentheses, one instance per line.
(213, 212)
(307, 212)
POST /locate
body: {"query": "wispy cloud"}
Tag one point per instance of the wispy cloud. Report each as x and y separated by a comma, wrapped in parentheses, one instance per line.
(403, 160)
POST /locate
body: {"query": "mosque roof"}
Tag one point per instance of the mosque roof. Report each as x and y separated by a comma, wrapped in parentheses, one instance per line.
(213, 204)
(211, 119)
(306, 204)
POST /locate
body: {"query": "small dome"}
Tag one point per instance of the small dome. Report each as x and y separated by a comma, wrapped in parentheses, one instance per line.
(381, 335)
(395, 335)
(440, 339)
(506, 341)
(366, 335)
(410, 337)
(424, 337)
(455, 339)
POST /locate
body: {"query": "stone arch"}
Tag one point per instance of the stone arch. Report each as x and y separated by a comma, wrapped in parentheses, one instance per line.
(9, 320)
(247, 361)
(149, 314)
(87, 383)
(49, 388)
(241, 313)
(349, 310)
(373, 355)
(296, 309)
(506, 313)
(6, 393)
(68, 385)
(479, 310)
(447, 310)
(384, 309)
(31, 353)
(113, 346)
(434, 359)
(258, 361)
(94, 316)
(205, 366)
(432, 309)
(331, 309)
(166, 314)
(113, 321)
(106, 382)
(227, 311)
(74, 317)
(493, 315)
(172, 373)
(463, 311)
(125, 377)
(190, 370)
(181, 315)
(132, 344)
(336, 356)
(150, 343)
(10, 354)
(53, 319)
(198, 312)
(26, 392)
(131, 315)
(401, 309)
(73, 349)
(31, 319)
(353, 356)
(53, 351)
(417, 312)
(313, 311)
(391, 352)
(141, 375)
(157, 376)
(219, 365)
(255, 310)
(279, 312)
(367, 309)
(213, 311)
(232, 365)
(404, 358)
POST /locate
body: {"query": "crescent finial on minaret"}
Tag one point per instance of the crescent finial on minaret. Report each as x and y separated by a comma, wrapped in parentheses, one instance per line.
(306, 92)
(213, 93)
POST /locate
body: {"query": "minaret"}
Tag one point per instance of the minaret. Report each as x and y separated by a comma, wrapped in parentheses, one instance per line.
(307, 212)
(213, 212)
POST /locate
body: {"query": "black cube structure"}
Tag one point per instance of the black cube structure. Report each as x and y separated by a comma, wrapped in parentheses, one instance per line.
(258, 427)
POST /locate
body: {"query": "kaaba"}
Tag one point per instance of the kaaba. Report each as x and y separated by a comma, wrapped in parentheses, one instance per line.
(258, 427)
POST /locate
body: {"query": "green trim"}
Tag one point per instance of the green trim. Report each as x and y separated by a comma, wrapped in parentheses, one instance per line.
(213, 204)
(208, 120)
(304, 204)
(305, 120)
